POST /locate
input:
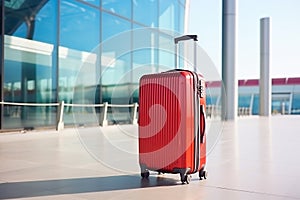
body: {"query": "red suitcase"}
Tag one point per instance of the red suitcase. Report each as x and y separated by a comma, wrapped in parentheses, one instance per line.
(172, 122)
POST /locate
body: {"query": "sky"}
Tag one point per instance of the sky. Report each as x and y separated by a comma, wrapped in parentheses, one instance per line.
(205, 20)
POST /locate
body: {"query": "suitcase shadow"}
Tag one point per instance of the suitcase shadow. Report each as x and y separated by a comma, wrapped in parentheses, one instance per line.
(156, 181)
(41, 188)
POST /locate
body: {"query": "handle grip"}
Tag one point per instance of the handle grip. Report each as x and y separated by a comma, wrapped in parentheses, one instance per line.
(185, 37)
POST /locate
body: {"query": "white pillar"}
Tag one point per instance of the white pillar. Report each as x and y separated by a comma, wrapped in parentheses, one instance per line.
(103, 118)
(229, 92)
(60, 115)
(134, 119)
(265, 83)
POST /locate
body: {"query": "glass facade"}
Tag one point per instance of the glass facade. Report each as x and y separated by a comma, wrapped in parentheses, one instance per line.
(285, 95)
(86, 52)
(80, 52)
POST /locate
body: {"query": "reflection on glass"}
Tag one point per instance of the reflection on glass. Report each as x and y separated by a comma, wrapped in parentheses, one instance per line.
(116, 60)
(29, 62)
(296, 103)
(35, 64)
(78, 71)
(166, 54)
(31, 20)
(181, 10)
(27, 79)
(118, 7)
(94, 2)
(145, 12)
(79, 26)
(168, 15)
(145, 53)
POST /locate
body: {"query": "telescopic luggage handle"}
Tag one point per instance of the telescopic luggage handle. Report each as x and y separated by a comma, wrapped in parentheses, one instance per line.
(183, 38)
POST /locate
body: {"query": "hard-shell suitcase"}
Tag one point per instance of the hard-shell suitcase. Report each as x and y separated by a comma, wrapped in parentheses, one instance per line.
(172, 121)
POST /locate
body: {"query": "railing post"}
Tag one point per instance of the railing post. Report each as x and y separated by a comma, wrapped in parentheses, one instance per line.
(283, 108)
(60, 114)
(134, 114)
(103, 117)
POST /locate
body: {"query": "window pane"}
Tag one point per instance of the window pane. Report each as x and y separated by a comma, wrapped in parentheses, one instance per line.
(244, 101)
(30, 62)
(255, 109)
(145, 52)
(118, 7)
(78, 58)
(181, 19)
(146, 12)
(166, 52)
(116, 59)
(28, 79)
(32, 20)
(79, 26)
(94, 2)
(169, 15)
(115, 25)
(296, 103)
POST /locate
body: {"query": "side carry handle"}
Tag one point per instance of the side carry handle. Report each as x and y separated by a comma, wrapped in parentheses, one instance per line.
(203, 129)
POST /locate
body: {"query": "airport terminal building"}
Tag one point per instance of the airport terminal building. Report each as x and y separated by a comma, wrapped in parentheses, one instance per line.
(87, 52)
(46, 45)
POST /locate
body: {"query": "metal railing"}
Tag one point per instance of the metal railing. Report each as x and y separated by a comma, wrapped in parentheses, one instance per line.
(244, 111)
(103, 119)
(212, 111)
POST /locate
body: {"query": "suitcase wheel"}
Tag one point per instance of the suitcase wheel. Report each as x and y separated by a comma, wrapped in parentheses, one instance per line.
(185, 178)
(145, 174)
(203, 174)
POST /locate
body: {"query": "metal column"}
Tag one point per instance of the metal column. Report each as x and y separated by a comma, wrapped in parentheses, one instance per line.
(229, 93)
(265, 80)
(2, 33)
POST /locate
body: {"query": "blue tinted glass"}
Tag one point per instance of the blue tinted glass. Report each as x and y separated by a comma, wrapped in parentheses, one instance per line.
(30, 62)
(28, 77)
(255, 108)
(169, 15)
(40, 18)
(296, 104)
(20, 32)
(146, 12)
(94, 2)
(166, 55)
(45, 23)
(79, 26)
(183, 2)
(181, 19)
(119, 7)
(145, 53)
(78, 58)
(211, 100)
(113, 25)
(244, 100)
(115, 59)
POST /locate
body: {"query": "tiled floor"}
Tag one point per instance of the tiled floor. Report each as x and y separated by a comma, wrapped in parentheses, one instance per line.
(252, 158)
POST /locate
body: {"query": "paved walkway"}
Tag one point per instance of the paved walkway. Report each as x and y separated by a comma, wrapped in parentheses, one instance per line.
(252, 158)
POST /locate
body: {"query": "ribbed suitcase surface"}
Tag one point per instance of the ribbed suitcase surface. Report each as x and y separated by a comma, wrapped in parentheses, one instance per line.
(171, 127)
